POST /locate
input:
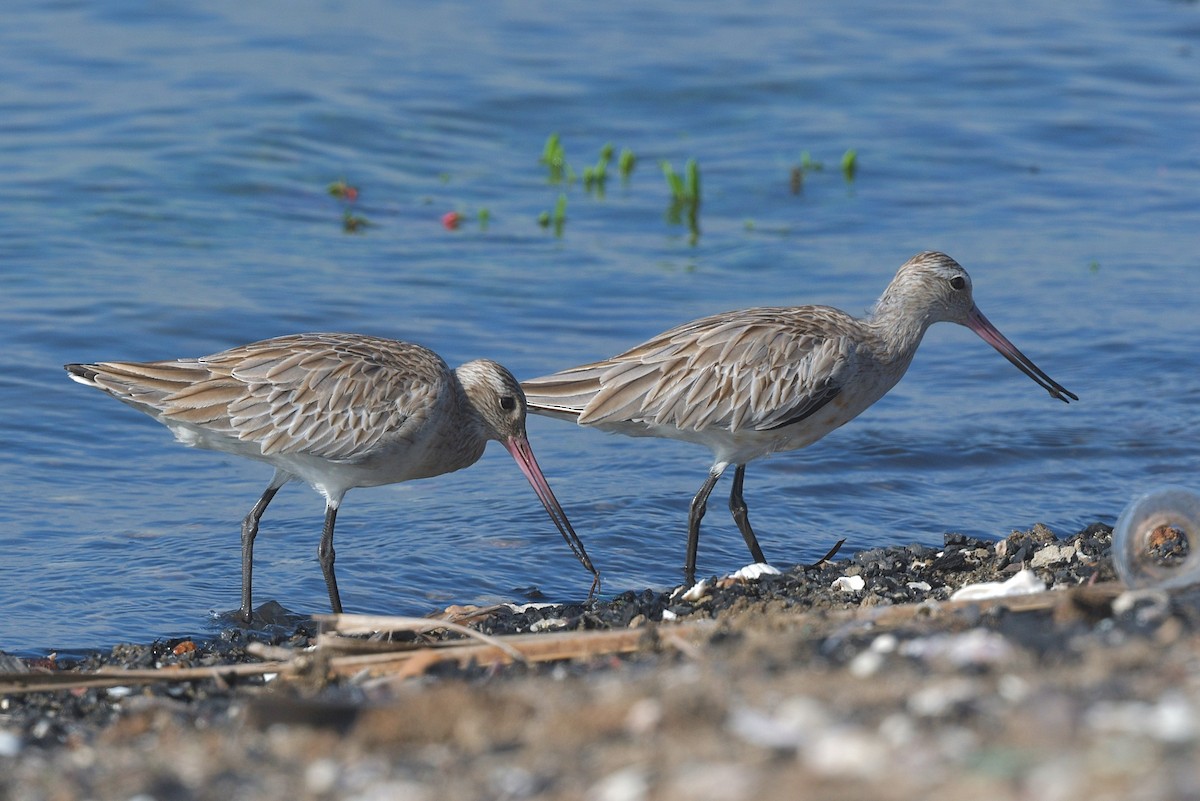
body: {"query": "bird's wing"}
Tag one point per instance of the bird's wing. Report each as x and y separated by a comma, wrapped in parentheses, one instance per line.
(754, 369)
(333, 396)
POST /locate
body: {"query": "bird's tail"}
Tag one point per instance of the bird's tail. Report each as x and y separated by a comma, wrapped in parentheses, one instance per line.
(147, 386)
(565, 394)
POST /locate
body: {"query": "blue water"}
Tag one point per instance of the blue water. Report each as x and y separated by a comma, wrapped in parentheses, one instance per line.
(162, 194)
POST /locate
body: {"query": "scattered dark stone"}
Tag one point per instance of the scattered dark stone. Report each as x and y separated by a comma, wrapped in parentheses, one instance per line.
(950, 561)
(1020, 557)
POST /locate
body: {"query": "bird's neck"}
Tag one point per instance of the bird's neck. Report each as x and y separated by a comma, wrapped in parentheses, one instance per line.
(899, 330)
(459, 436)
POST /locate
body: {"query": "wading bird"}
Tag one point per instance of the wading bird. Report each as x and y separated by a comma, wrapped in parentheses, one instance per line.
(752, 382)
(338, 411)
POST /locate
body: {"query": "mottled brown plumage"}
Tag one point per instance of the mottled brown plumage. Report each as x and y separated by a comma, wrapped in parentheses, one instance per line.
(752, 382)
(337, 410)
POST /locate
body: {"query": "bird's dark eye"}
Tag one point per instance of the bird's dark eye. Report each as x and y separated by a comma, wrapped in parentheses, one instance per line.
(958, 282)
(508, 403)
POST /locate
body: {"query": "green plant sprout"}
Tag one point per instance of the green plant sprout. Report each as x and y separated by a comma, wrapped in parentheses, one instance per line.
(343, 191)
(353, 223)
(560, 214)
(625, 164)
(594, 177)
(808, 164)
(850, 164)
(684, 188)
(558, 218)
(685, 196)
(555, 158)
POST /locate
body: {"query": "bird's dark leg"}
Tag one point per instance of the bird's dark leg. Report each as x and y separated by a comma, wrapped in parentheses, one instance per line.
(695, 515)
(741, 516)
(249, 532)
(325, 556)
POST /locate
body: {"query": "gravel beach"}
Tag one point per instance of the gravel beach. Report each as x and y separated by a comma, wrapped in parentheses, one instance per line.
(857, 678)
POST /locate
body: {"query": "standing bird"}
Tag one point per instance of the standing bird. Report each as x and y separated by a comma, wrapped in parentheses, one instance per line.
(338, 411)
(752, 382)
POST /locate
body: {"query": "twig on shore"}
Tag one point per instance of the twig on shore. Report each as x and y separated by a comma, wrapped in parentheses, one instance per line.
(338, 655)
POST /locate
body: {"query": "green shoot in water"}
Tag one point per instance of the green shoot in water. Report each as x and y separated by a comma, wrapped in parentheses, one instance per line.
(685, 196)
(555, 158)
(625, 164)
(557, 218)
(808, 164)
(850, 164)
(594, 177)
(353, 223)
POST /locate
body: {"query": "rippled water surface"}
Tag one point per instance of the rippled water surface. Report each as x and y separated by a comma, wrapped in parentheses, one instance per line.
(164, 194)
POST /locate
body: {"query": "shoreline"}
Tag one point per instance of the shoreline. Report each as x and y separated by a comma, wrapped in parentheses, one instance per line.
(754, 689)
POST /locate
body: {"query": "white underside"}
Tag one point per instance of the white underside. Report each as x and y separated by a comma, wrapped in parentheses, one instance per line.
(330, 478)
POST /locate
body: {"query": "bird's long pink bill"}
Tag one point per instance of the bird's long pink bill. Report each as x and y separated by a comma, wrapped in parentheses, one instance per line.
(523, 454)
(991, 335)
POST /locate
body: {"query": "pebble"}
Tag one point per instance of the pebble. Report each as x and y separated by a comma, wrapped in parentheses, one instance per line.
(548, 624)
(1053, 555)
(786, 726)
(709, 781)
(847, 751)
(644, 717)
(976, 647)
(627, 784)
(1172, 719)
(320, 777)
(510, 781)
(10, 744)
(395, 790)
(939, 698)
(866, 664)
(869, 662)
